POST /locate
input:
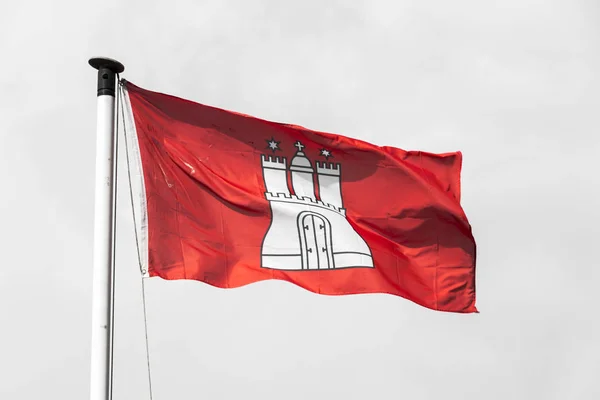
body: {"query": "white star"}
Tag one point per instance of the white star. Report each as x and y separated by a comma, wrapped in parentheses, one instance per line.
(326, 153)
(272, 144)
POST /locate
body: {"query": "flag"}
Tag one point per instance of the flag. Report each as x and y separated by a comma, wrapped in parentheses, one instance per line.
(229, 199)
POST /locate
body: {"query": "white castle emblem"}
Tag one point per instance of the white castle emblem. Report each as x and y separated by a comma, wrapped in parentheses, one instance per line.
(308, 232)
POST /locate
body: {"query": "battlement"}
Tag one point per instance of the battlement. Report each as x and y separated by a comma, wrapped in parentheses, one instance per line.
(325, 168)
(274, 162)
(291, 198)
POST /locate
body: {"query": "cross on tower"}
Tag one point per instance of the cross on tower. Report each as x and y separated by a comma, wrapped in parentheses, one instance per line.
(299, 145)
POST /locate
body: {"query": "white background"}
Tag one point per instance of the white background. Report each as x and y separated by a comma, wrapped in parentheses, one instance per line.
(513, 84)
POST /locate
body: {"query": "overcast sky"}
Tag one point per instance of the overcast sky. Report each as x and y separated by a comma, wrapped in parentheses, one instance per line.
(513, 84)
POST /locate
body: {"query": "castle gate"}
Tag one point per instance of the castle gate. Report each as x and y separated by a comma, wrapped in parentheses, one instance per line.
(315, 241)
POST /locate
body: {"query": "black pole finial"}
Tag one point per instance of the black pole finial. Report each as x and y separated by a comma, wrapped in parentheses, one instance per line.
(107, 70)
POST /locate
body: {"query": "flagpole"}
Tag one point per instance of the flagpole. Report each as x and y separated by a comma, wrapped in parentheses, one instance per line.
(104, 213)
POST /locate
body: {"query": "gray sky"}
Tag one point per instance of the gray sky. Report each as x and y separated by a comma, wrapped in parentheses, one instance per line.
(513, 84)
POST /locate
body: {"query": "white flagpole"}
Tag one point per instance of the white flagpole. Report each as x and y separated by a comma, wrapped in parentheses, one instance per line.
(104, 213)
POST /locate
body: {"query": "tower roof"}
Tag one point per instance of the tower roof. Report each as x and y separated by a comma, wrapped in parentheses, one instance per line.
(300, 160)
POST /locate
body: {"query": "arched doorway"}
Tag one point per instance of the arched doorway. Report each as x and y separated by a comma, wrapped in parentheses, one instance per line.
(315, 241)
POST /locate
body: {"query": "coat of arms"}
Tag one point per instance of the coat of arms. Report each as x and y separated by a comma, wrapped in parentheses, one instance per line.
(309, 229)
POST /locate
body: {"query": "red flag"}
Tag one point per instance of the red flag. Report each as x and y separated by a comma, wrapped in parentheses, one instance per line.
(231, 199)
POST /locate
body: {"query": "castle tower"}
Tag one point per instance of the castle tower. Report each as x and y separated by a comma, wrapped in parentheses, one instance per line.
(302, 174)
(275, 174)
(329, 183)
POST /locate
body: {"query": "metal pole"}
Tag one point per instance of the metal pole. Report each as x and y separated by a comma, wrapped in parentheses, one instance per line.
(104, 212)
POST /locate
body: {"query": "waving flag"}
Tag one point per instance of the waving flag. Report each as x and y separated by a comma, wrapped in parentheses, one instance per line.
(229, 199)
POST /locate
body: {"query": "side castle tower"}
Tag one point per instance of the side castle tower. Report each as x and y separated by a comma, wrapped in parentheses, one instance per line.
(307, 231)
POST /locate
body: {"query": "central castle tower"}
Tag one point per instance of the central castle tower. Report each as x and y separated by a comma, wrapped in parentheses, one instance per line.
(309, 229)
